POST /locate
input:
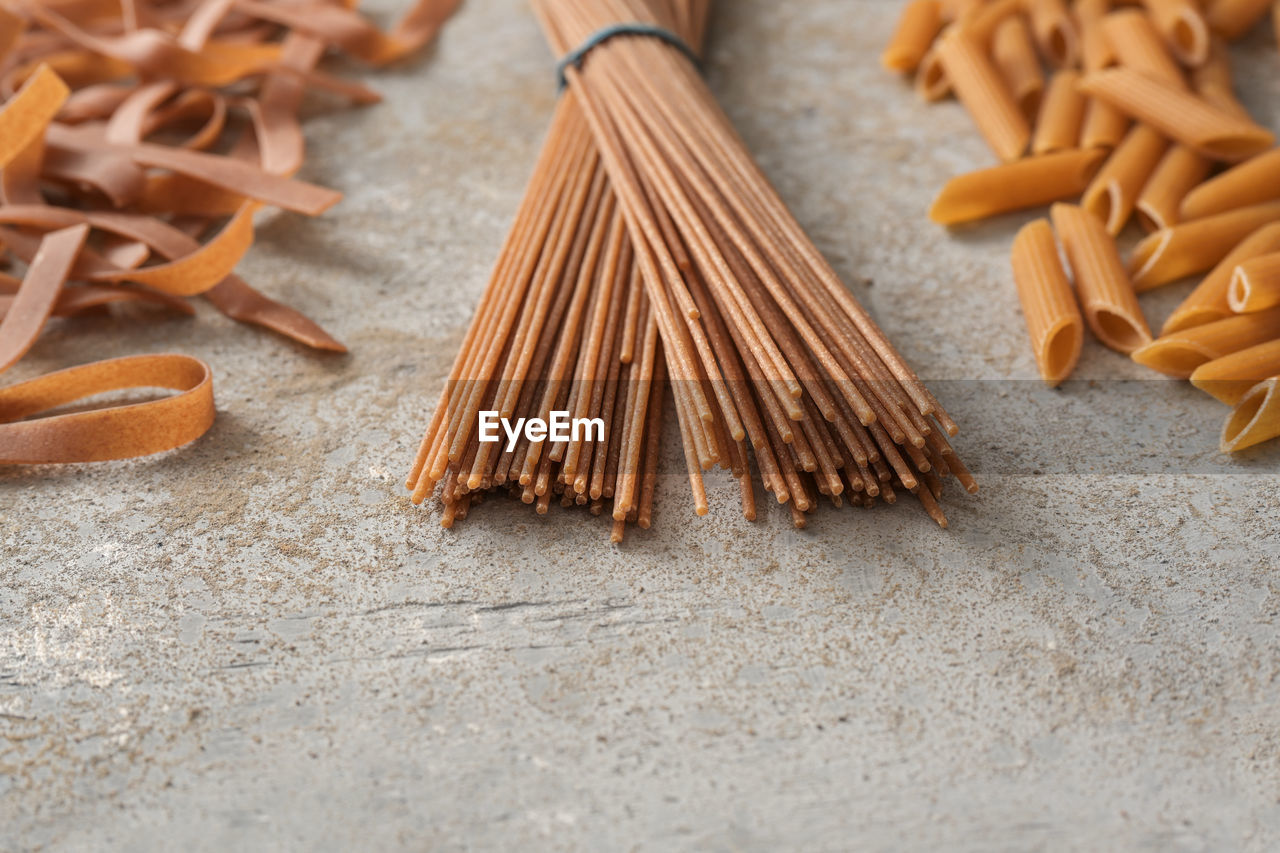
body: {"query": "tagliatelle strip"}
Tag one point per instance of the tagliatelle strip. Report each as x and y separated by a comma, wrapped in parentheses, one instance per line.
(110, 191)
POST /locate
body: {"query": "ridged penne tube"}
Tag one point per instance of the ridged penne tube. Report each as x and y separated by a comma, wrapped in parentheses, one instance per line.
(1061, 115)
(1179, 172)
(1209, 301)
(1138, 45)
(1106, 295)
(1252, 182)
(1053, 318)
(1096, 52)
(1229, 378)
(1180, 353)
(1015, 56)
(1114, 192)
(1216, 71)
(1255, 285)
(917, 28)
(1183, 27)
(1255, 419)
(932, 83)
(1055, 32)
(982, 21)
(1104, 125)
(1195, 246)
(1029, 182)
(980, 88)
(1233, 18)
(1179, 114)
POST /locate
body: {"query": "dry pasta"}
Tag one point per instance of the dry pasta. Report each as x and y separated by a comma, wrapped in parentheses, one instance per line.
(982, 90)
(1138, 45)
(1255, 285)
(1055, 31)
(1114, 192)
(919, 25)
(1210, 300)
(1159, 205)
(1053, 318)
(1255, 419)
(1106, 295)
(1233, 18)
(1231, 377)
(1183, 27)
(1179, 114)
(1195, 246)
(1061, 115)
(1252, 182)
(1015, 56)
(1180, 353)
(1030, 182)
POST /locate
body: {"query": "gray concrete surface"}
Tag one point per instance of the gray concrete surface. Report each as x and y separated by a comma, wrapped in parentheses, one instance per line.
(258, 643)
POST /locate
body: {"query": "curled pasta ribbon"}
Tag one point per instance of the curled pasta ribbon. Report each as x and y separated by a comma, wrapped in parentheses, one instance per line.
(116, 432)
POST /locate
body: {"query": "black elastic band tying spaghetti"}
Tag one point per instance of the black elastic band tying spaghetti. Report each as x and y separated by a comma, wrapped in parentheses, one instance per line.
(574, 57)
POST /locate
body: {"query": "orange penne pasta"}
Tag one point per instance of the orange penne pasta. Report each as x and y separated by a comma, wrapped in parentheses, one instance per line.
(980, 88)
(1195, 246)
(1179, 172)
(931, 81)
(1252, 182)
(1209, 301)
(1053, 318)
(1030, 182)
(982, 21)
(1183, 28)
(1229, 378)
(1061, 115)
(1137, 45)
(1104, 125)
(1015, 56)
(1055, 32)
(917, 28)
(1179, 114)
(1256, 417)
(1180, 353)
(1233, 18)
(1110, 304)
(1114, 192)
(1255, 285)
(1095, 47)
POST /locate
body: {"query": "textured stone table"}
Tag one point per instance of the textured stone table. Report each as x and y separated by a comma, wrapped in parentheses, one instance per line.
(258, 641)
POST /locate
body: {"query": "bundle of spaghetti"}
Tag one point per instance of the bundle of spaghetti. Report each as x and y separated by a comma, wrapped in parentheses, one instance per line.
(770, 356)
(137, 142)
(1141, 123)
(564, 325)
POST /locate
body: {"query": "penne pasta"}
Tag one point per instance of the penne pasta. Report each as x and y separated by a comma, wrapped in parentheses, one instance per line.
(1029, 182)
(917, 28)
(1015, 56)
(1183, 28)
(1061, 115)
(1233, 18)
(1180, 353)
(980, 88)
(931, 82)
(1255, 284)
(1216, 71)
(1053, 318)
(1209, 301)
(1106, 294)
(1179, 114)
(1137, 45)
(982, 21)
(1095, 48)
(1256, 417)
(1179, 172)
(1055, 32)
(1231, 377)
(1195, 246)
(1104, 125)
(1252, 182)
(1114, 192)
